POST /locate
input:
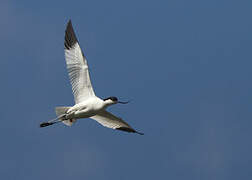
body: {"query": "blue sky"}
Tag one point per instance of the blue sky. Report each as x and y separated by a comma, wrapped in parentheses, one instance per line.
(186, 66)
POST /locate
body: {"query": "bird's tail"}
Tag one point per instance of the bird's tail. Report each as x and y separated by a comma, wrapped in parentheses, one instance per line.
(60, 112)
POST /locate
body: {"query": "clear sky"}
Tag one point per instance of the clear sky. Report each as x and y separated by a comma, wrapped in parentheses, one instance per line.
(186, 66)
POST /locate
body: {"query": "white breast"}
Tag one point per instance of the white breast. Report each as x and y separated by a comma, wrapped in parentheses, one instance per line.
(88, 108)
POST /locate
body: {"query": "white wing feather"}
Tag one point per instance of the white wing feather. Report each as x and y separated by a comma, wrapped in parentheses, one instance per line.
(111, 121)
(77, 67)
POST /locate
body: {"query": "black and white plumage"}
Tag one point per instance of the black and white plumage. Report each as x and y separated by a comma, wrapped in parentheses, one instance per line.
(111, 121)
(77, 67)
(87, 104)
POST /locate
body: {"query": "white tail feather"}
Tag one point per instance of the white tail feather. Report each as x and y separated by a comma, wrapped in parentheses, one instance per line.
(62, 110)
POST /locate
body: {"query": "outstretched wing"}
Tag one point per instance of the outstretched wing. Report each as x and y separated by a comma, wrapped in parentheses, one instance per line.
(77, 67)
(111, 121)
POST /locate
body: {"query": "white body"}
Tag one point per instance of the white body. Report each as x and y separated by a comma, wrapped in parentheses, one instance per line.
(88, 105)
(87, 108)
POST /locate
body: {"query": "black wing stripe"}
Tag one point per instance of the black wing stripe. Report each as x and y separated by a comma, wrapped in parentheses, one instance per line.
(70, 37)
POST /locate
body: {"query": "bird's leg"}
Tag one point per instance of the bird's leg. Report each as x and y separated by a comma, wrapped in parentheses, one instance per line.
(69, 115)
(53, 121)
(44, 124)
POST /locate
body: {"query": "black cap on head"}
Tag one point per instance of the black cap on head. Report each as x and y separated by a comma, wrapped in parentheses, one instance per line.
(113, 98)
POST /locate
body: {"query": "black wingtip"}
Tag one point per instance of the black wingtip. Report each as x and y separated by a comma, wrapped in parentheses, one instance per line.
(130, 130)
(70, 37)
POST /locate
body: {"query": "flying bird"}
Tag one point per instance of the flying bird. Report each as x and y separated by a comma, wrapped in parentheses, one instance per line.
(87, 104)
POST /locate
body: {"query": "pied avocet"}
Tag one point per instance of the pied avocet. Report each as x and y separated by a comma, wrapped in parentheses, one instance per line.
(87, 104)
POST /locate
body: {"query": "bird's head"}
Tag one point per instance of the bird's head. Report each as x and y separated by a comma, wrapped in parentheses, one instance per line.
(113, 100)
